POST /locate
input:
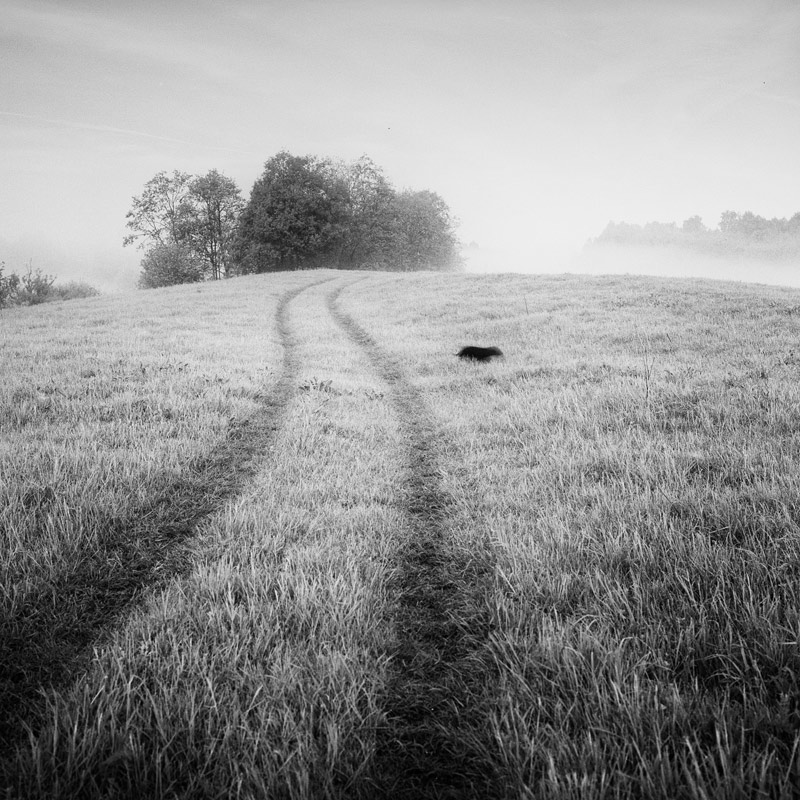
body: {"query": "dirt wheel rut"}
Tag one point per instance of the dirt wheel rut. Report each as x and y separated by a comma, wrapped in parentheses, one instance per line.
(41, 646)
(421, 755)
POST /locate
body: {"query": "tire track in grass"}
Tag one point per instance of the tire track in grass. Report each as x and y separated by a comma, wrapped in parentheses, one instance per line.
(45, 643)
(421, 755)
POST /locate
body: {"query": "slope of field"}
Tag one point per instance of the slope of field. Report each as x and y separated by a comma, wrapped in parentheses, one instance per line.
(269, 537)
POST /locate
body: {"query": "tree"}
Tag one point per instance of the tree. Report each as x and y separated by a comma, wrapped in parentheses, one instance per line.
(422, 233)
(753, 226)
(187, 223)
(296, 215)
(214, 205)
(158, 216)
(693, 225)
(169, 264)
(369, 203)
(728, 222)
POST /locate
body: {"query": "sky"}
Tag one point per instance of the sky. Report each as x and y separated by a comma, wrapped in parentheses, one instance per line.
(538, 121)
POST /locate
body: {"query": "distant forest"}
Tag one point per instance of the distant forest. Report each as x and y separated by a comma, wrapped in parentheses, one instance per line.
(303, 212)
(738, 235)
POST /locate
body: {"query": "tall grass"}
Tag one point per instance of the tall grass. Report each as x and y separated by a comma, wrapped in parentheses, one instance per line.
(110, 409)
(634, 459)
(259, 673)
(622, 531)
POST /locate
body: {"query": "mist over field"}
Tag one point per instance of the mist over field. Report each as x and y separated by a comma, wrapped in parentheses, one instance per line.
(536, 122)
(107, 268)
(117, 271)
(673, 263)
(609, 259)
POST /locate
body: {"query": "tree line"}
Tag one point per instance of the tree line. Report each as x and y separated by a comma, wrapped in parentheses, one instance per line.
(738, 234)
(303, 212)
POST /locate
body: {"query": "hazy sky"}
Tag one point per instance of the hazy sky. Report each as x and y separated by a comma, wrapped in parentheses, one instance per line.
(537, 121)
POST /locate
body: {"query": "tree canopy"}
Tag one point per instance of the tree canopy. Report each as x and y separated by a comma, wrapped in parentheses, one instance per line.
(211, 220)
(186, 226)
(420, 232)
(157, 216)
(369, 208)
(306, 211)
(739, 234)
(303, 212)
(295, 217)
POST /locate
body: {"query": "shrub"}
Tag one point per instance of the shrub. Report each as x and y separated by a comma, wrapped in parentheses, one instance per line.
(168, 265)
(34, 287)
(8, 286)
(72, 291)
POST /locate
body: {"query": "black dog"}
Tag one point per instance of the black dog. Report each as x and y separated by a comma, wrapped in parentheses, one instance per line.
(479, 353)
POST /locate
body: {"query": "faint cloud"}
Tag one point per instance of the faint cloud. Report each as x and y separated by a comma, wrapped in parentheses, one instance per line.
(122, 131)
(159, 32)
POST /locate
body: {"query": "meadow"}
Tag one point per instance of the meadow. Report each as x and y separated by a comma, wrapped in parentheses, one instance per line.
(269, 537)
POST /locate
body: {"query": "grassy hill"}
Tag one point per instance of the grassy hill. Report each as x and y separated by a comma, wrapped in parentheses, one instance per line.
(269, 537)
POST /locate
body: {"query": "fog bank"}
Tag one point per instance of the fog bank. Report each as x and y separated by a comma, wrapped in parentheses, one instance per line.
(108, 269)
(631, 260)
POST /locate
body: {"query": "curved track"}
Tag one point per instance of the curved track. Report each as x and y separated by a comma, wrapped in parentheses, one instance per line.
(40, 648)
(420, 756)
